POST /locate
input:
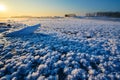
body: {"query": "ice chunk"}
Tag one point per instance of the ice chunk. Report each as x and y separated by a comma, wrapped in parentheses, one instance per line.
(25, 31)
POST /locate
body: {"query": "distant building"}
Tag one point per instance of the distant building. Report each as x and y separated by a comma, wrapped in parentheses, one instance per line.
(70, 15)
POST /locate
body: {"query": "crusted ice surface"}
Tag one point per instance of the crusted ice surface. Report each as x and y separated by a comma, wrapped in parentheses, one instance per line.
(64, 49)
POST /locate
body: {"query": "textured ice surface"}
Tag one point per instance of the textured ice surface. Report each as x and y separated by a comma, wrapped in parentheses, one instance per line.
(64, 49)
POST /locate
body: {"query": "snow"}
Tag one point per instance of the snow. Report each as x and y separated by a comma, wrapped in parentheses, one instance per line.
(60, 48)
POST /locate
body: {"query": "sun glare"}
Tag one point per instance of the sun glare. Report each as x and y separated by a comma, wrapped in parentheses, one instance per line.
(2, 8)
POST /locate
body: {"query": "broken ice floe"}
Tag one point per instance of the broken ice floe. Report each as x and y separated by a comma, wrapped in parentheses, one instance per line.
(25, 31)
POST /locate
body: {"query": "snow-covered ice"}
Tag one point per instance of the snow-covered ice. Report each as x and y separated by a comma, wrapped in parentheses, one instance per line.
(61, 49)
(25, 31)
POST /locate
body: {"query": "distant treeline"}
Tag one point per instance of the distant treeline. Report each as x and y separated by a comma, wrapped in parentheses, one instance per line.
(104, 14)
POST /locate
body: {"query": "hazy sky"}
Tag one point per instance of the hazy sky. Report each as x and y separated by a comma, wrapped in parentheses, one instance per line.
(56, 7)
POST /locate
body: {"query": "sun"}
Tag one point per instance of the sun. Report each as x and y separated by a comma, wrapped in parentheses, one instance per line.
(2, 8)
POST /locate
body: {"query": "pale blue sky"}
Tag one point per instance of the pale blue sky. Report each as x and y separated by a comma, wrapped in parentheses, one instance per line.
(57, 7)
